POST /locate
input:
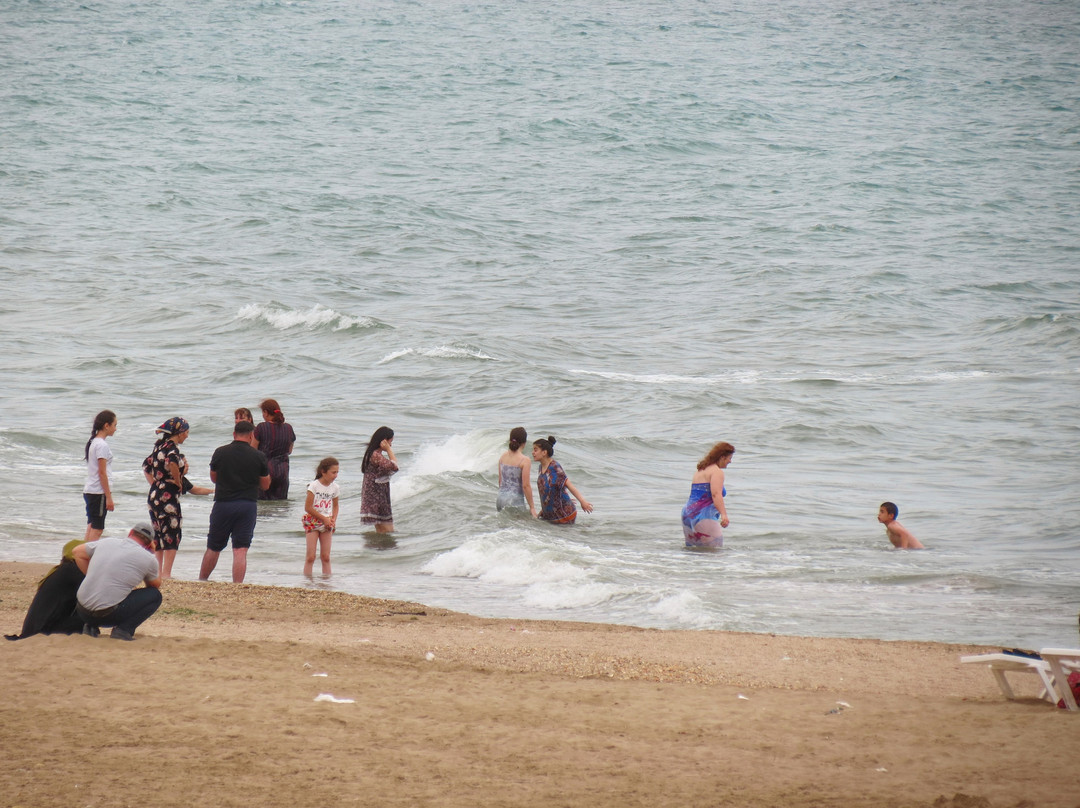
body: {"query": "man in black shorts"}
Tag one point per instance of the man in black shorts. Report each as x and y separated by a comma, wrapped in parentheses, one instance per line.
(238, 471)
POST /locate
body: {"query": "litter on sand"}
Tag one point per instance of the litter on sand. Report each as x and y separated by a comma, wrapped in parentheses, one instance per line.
(333, 699)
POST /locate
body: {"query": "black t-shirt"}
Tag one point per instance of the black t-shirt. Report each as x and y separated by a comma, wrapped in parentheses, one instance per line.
(238, 468)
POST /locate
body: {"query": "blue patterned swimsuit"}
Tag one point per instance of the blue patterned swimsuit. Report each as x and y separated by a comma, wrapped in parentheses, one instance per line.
(511, 494)
(700, 508)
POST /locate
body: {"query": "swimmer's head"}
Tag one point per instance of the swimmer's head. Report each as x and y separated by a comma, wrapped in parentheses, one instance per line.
(887, 512)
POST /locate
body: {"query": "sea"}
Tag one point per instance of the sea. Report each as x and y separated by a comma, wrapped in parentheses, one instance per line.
(844, 237)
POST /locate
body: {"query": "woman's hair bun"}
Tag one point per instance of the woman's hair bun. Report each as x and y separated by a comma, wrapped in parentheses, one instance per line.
(551, 439)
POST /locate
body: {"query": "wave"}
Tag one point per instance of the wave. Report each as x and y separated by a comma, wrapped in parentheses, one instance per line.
(736, 377)
(440, 352)
(511, 557)
(1066, 321)
(683, 608)
(821, 378)
(458, 454)
(283, 318)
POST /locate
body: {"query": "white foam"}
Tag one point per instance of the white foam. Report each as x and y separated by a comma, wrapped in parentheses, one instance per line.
(564, 595)
(438, 352)
(503, 558)
(737, 377)
(468, 452)
(749, 377)
(514, 558)
(458, 453)
(684, 607)
(315, 317)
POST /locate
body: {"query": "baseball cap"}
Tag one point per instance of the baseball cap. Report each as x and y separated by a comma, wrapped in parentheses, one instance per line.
(144, 529)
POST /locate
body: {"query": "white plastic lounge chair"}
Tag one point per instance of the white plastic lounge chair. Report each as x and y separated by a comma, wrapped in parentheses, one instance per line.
(1000, 663)
(1062, 661)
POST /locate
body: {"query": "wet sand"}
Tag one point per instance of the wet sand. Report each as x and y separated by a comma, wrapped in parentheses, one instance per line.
(215, 704)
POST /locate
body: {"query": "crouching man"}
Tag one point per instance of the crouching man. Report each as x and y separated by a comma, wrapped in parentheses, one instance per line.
(113, 568)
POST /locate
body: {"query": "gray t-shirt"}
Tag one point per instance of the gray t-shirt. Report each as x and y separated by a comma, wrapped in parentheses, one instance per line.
(116, 567)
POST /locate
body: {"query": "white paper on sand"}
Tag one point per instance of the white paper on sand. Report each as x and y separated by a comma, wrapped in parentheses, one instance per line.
(333, 699)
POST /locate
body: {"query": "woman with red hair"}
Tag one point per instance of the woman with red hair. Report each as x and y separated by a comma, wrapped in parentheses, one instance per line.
(704, 516)
(275, 439)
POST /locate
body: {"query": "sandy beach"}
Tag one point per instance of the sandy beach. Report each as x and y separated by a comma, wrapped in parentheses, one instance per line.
(216, 704)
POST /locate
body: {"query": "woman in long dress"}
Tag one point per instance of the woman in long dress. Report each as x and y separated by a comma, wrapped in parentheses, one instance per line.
(275, 439)
(378, 466)
(164, 470)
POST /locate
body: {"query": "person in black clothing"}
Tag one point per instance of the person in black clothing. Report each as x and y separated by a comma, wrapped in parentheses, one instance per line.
(239, 472)
(52, 611)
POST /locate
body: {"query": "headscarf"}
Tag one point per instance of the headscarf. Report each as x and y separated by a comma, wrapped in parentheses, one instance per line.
(174, 426)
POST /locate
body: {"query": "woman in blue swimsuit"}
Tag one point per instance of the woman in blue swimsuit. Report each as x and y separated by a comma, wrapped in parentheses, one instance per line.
(704, 515)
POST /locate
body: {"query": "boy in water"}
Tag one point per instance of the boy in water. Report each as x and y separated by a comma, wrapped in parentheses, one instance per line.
(899, 535)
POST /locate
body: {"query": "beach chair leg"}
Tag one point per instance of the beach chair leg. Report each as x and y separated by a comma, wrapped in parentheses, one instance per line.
(1003, 683)
(1062, 679)
(1049, 692)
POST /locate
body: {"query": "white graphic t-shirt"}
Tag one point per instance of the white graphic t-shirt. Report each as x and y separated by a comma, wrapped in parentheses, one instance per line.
(324, 496)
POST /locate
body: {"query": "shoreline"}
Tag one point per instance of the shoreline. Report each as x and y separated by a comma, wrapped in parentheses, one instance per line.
(573, 713)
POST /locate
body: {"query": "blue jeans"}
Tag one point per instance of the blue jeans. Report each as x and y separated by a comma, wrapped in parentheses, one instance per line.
(129, 614)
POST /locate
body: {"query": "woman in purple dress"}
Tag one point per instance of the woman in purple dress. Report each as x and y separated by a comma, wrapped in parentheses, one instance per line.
(275, 439)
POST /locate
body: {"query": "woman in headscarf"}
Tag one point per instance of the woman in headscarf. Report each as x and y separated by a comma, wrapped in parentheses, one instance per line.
(164, 468)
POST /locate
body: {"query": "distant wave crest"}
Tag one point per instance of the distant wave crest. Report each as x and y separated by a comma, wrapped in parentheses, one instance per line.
(734, 377)
(283, 318)
(440, 352)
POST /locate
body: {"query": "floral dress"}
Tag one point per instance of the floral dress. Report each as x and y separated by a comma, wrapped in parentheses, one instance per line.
(163, 501)
(555, 503)
(375, 495)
